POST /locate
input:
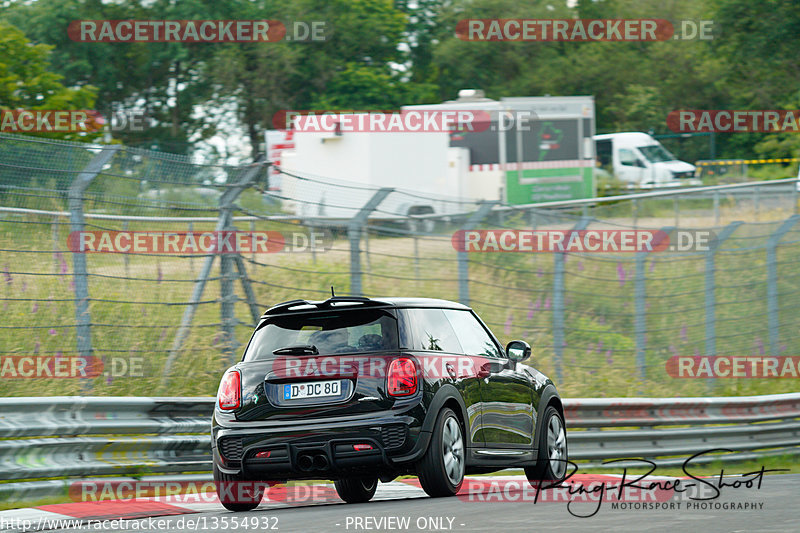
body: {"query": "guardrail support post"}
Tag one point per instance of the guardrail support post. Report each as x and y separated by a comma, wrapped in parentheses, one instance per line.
(677, 211)
(710, 290)
(772, 283)
(83, 321)
(463, 264)
(354, 229)
(558, 304)
(716, 208)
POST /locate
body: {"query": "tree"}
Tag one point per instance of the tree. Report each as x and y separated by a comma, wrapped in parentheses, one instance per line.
(27, 83)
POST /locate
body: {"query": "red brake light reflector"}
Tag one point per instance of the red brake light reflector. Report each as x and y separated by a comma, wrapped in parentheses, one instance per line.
(263, 455)
(362, 447)
(402, 380)
(229, 395)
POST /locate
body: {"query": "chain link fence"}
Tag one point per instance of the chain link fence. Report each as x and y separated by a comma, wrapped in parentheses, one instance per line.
(168, 322)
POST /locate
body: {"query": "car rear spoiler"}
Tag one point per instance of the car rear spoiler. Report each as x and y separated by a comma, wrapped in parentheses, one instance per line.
(305, 305)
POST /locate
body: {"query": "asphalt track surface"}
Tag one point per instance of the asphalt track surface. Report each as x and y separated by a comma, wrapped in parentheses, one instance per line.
(398, 502)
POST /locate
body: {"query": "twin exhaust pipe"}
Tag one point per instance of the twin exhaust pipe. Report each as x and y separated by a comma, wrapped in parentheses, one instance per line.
(307, 462)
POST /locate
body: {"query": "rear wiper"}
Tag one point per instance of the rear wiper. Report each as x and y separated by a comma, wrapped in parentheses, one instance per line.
(298, 349)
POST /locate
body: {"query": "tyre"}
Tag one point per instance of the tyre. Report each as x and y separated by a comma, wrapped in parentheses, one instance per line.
(551, 463)
(357, 489)
(441, 469)
(237, 498)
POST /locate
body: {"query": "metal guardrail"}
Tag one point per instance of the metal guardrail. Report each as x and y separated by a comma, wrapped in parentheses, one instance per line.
(73, 438)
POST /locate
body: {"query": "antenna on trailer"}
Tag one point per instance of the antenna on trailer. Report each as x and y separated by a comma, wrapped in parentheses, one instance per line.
(332, 295)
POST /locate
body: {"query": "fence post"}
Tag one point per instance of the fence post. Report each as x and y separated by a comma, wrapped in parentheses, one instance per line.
(226, 201)
(83, 321)
(227, 294)
(354, 228)
(125, 258)
(772, 282)
(56, 244)
(463, 265)
(710, 290)
(640, 303)
(558, 304)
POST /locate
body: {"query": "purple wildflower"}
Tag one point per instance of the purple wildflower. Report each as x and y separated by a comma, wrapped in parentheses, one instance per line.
(36, 346)
(580, 266)
(159, 277)
(547, 303)
(35, 307)
(538, 303)
(7, 275)
(621, 274)
(508, 324)
(539, 273)
(684, 336)
(530, 311)
(760, 346)
(609, 359)
(52, 331)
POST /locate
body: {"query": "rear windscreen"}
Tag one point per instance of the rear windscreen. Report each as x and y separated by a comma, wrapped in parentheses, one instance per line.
(336, 332)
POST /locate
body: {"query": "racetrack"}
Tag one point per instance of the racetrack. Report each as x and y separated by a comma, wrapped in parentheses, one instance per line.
(402, 506)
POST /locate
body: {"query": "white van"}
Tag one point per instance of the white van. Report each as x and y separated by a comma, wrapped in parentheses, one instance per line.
(640, 161)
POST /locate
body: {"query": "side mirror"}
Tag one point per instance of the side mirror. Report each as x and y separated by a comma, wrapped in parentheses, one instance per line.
(518, 351)
(640, 163)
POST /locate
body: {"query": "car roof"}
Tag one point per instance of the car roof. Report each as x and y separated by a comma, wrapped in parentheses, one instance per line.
(343, 302)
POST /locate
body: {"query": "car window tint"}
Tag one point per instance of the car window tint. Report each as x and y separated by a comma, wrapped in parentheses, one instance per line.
(471, 334)
(432, 331)
(340, 331)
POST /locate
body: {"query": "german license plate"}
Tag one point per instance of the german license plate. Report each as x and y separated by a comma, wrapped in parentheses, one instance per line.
(313, 389)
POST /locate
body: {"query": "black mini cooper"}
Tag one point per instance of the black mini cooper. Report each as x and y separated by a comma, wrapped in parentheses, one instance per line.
(359, 390)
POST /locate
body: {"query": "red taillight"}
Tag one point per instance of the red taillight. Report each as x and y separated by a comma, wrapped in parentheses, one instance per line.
(263, 455)
(230, 391)
(362, 447)
(402, 380)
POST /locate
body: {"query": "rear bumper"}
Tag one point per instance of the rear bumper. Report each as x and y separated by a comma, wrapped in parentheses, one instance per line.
(320, 450)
